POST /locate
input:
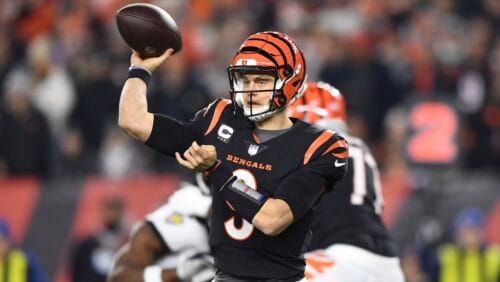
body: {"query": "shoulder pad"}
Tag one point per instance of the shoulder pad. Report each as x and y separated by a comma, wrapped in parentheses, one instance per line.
(214, 112)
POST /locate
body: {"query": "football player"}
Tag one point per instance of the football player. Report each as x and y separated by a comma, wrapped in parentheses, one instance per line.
(350, 242)
(266, 170)
(170, 244)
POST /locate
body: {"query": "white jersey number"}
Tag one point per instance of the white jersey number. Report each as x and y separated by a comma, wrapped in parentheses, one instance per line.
(360, 158)
(246, 228)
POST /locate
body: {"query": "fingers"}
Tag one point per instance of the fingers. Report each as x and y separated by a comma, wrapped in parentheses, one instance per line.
(196, 152)
(195, 148)
(205, 152)
(193, 156)
(168, 53)
(197, 157)
(183, 162)
(135, 58)
(150, 63)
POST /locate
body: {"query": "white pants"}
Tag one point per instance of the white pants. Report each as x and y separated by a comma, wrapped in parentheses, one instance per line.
(346, 263)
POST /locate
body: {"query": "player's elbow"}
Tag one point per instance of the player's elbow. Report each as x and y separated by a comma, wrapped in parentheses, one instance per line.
(127, 125)
(271, 229)
(135, 126)
(271, 225)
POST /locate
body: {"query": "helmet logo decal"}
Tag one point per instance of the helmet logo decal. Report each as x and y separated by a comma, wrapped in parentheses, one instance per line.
(246, 62)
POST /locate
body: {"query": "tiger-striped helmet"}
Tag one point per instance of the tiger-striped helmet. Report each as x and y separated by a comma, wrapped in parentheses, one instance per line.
(321, 104)
(270, 53)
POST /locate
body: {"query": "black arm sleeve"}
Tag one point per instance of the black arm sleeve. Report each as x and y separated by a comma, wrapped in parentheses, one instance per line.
(219, 177)
(300, 192)
(245, 200)
(169, 135)
(303, 187)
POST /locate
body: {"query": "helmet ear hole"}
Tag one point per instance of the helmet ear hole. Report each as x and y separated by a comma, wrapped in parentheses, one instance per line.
(280, 101)
(288, 71)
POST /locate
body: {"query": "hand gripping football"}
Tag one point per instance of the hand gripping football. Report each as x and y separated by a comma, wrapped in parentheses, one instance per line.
(148, 29)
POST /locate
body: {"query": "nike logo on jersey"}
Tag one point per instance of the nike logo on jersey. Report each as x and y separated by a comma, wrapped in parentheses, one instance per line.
(339, 164)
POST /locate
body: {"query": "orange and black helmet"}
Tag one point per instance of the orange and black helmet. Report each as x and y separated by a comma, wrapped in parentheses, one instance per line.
(320, 102)
(271, 53)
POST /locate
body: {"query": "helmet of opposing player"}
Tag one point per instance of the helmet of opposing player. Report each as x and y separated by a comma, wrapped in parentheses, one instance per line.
(272, 54)
(321, 104)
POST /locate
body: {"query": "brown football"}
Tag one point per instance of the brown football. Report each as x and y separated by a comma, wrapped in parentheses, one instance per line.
(148, 29)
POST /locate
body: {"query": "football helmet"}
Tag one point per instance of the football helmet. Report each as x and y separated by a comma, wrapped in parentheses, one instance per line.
(321, 104)
(268, 53)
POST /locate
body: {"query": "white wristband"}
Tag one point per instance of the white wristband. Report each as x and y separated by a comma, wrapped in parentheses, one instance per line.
(152, 274)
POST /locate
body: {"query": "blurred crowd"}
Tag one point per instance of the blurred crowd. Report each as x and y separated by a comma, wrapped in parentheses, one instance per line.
(62, 65)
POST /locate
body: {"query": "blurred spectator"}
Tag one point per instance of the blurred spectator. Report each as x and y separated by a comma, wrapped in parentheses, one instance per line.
(53, 89)
(118, 156)
(491, 9)
(74, 160)
(24, 133)
(6, 54)
(96, 99)
(380, 52)
(368, 87)
(17, 264)
(178, 91)
(32, 18)
(469, 257)
(93, 256)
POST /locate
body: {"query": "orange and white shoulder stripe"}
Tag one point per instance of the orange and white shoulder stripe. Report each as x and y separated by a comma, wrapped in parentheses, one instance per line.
(321, 140)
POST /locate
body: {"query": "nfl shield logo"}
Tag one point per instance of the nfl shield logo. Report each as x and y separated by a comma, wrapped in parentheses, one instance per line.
(253, 149)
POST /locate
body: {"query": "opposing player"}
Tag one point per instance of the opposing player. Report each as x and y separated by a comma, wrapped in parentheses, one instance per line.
(266, 170)
(170, 244)
(350, 242)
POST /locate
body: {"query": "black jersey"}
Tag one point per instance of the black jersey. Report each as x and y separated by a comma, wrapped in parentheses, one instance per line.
(301, 159)
(350, 213)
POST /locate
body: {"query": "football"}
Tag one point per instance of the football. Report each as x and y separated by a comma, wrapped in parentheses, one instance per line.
(148, 29)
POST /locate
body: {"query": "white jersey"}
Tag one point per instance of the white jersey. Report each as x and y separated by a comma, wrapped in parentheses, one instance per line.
(341, 263)
(180, 232)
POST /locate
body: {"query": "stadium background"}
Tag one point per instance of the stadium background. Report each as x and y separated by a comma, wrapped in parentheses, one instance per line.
(421, 80)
